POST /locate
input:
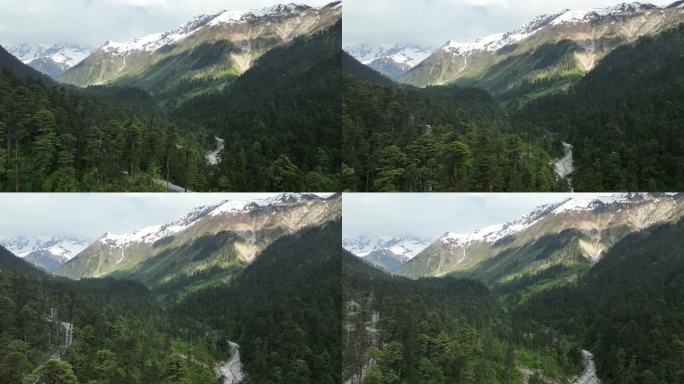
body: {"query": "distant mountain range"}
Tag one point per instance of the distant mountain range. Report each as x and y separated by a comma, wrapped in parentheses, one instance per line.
(392, 61)
(210, 243)
(48, 253)
(53, 60)
(389, 253)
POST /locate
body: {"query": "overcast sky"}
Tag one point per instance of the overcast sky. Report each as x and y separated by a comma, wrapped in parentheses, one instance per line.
(89, 215)
(430, 215)
(92, 22)
(433, 22)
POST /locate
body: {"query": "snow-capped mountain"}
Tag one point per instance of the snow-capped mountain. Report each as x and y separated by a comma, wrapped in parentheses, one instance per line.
(571, 232)
(404, 246)
(584, 36)
(494, 42)
(155, 41)
(390, 253)
(209, 237)
(154, 233)
(225, 41)
(46, 252)
(393, 61)
(52, 60)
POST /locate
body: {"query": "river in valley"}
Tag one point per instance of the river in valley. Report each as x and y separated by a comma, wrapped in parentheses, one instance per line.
(565, 165)
(230, 371)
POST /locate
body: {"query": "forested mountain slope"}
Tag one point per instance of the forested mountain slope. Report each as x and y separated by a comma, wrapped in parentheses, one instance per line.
(63, 139)
(353, 68)
(574, 233)
(280, 119)
(202, 55)
(284, 309)
(278, 114)
(440, 330)
(58, 331)
(207, 246)
(12, 64)
(546, 55)
(435, 139)
(627, 309)
(623, 118)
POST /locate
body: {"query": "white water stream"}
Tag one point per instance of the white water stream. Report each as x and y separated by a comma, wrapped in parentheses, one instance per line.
(230, 371)
(564, 167)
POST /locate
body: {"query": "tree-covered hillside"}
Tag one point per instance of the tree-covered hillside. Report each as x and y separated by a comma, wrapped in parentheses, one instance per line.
(93, 331)
(441, 330)
(624, 118)
(280, 120)
(435, 139)
(627, 309)
(284, 309)
(101, 139)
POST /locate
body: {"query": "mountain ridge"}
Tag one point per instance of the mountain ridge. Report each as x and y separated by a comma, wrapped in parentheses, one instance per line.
(552, 51)
(572, 233)
(390, 253)
(217, 239)
(53, 60)
(48, 253)
(393, 61)
(204, 53)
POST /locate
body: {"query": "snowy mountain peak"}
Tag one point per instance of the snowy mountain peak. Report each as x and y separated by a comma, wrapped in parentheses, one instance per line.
(583, 15)
(153, 233)
(69, 54)
(52, 60)
(46, 252)
(494, 42)
(404, 247)
(284, 199)
(155, 41)
(63, 247)
(391, 60)
(401, 53)
(493, 233)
